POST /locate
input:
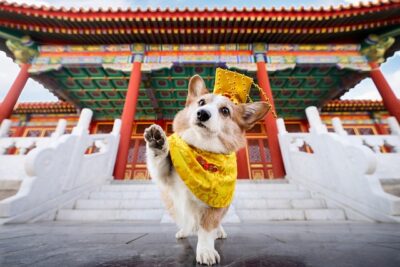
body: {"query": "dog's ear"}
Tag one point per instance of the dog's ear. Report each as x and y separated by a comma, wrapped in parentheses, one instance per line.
(251, 113)
(197, 87)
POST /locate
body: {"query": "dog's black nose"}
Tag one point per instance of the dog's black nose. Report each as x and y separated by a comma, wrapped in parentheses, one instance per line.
(203, 115)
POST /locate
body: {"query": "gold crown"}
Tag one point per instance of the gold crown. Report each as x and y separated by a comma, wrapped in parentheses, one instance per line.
(233, 85)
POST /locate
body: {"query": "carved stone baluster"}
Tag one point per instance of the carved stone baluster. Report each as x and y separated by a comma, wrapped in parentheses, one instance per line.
(281, 126)
(5, 128)
(338, 126)
(393, 126)
(60, 129)
(316, 125)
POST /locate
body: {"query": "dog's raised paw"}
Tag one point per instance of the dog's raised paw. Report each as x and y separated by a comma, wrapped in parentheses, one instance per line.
(155, 137)
(207, 256)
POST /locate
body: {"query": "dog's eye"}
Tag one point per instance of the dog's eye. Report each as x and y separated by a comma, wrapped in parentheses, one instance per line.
(202, 102)
(224, 111)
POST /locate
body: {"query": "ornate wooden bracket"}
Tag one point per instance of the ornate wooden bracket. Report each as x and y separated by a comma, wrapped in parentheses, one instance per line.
(23, 49)
(375, 46)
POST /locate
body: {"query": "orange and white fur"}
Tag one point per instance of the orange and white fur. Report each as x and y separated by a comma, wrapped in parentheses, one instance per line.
(211, 123)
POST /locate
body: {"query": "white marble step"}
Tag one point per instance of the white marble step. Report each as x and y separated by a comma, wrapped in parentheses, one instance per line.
(239, 204)
(240, 186)
(294, 194)
(157, 214)
(110, 215)
(125, 195)
(248, 186)
(254, 215)
(254, 201)
(118, 204)
(279, 203)
(129, 187)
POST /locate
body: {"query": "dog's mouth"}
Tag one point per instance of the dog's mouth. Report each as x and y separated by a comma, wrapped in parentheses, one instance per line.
(201, 125)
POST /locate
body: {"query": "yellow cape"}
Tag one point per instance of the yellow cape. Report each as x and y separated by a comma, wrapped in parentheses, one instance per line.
(211, 177)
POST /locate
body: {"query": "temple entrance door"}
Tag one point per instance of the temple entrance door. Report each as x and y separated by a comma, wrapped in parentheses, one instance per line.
(258, 153)
(259, 158)
(136, 165)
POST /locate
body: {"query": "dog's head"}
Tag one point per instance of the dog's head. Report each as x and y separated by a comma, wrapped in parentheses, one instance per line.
(212, 122)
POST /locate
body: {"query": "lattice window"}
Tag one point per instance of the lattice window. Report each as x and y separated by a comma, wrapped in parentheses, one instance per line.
(365, 131)
(141, 157)
(267, 152)
(34, 133)
(48, 133)
(254, 151)
(131, 150)
(350, 131)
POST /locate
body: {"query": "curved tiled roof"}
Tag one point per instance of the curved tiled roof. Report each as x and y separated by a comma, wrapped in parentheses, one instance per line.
(302, 9)
(350, 23)
(44, 107)
(353, 105)
(330, 106)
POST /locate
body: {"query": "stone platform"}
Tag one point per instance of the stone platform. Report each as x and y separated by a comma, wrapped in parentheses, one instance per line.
(121, 244)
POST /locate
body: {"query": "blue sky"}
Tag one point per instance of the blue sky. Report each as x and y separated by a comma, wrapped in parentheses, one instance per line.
(33, 91)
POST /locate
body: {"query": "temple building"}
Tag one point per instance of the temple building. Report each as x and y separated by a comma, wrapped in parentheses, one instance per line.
(134, 65)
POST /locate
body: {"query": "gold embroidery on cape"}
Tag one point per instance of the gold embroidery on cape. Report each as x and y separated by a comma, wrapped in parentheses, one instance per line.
(211, 177)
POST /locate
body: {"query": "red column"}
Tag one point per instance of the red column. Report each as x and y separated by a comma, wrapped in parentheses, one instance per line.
(7, 106)
(19, 132)
(128, 116)
(270, 121)
(242, 164)
(391, 102)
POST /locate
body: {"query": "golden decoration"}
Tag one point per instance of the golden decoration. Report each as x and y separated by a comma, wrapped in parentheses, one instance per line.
(211, 177)
(236, 87)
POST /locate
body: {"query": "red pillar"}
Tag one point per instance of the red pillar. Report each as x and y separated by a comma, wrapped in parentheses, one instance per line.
(19, 132)
(242, 164)
(7, 106)
(128, 116)
(391, 102)
(270, 121)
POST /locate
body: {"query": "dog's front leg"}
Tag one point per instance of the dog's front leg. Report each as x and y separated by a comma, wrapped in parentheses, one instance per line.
(205, 252)
(157, 152)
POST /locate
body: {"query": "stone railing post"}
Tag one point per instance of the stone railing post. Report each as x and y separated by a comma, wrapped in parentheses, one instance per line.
(60, 129)
(5, 128)
(316, 125)
(393, 126)
(280, 123)
(338, 126)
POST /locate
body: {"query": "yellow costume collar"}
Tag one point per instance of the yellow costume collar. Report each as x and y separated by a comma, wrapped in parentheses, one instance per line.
(211, 177)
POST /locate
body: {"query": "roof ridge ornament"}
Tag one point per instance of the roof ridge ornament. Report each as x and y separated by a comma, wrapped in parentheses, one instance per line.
(23, 48)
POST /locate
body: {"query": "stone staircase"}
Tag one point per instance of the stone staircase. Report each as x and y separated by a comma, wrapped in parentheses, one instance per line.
(281, 202)
(254, 201)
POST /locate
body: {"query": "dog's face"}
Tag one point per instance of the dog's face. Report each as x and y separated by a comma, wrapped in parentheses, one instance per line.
(212, 122)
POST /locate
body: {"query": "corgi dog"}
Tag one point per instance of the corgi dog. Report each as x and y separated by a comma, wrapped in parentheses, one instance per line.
(211, 123)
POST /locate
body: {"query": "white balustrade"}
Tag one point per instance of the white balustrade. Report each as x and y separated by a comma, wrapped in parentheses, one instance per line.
(24, 144)
(57, 169)
(345, 168)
